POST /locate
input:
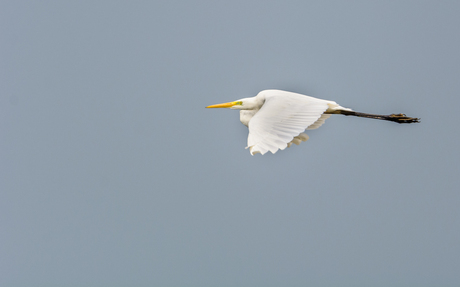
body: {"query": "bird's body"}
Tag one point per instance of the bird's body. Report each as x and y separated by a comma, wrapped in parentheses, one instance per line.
(276, 119)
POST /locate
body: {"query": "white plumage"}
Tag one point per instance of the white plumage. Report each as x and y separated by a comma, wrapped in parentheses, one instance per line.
(282, 117)
(276, 119)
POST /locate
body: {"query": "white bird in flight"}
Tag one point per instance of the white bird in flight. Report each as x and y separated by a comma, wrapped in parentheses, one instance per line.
(277, 119)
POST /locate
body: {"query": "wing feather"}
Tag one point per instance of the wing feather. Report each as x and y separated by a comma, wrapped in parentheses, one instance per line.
(319, 122)
(283, 116)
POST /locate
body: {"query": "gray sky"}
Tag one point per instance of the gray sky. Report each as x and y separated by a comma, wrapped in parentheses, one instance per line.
(113, 173)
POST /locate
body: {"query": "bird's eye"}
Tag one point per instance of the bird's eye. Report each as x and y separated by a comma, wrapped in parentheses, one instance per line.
(239, 103)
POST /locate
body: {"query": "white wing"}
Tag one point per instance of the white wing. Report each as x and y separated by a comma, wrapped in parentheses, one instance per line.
(283, 116)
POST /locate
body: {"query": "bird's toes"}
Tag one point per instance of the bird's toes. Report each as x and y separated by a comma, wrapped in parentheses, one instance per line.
(402, 118)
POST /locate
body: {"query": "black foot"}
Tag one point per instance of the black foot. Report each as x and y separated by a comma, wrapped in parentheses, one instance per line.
(403, 119)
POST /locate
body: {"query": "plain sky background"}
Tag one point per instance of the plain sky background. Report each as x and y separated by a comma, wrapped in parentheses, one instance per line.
(114, 174)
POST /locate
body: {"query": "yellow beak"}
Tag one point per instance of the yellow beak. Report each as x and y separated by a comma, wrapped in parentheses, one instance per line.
(224, 105)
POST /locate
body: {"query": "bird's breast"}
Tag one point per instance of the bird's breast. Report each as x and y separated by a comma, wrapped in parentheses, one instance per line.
(246, 116)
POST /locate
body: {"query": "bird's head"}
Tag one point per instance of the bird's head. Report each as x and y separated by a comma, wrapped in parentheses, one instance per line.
(242, 104)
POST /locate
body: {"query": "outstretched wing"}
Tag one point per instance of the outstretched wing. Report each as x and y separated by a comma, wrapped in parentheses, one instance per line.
(283, 116)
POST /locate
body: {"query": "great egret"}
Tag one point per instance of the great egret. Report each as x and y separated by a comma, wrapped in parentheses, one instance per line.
(276, 119)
